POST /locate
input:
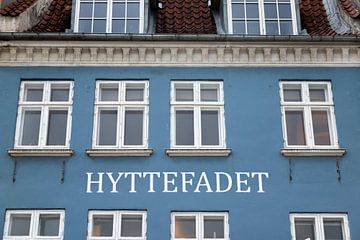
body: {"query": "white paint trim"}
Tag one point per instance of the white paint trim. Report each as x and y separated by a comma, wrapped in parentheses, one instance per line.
(179, 54)
(198, 152)
(119, 152)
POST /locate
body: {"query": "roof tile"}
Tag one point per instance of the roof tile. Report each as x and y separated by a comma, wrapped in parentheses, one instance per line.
(16, 7)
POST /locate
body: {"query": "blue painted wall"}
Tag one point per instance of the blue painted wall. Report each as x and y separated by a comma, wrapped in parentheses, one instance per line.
(253, 127)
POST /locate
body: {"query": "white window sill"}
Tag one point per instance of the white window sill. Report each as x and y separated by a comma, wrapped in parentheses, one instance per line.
(295, 152)
(198, 152)
(40, 152)
(142, 152)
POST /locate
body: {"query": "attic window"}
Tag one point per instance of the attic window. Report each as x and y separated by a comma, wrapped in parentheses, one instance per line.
(109, 16)
(262, 17)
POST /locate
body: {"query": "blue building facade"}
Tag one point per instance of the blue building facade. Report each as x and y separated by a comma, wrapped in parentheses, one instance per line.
(256, 184)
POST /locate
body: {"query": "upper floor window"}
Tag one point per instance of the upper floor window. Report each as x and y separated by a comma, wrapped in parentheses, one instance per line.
(117, 225)
(197, 114)
(308, 115)
(262, 17)
(109, 16)
(121, 114)
(199, 225)
(34, 224)
(320, 226)
(44, 114)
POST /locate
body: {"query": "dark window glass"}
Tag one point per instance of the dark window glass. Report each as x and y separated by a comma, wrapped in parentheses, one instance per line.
(100, 10)
(107, 127)
(131, 225)
(34, 94)
(239, 27)
(333, 229)
(134, 94)
(184, 127)
(292, 95)
(252, 10)
(109, 94)
(272, 28)
(213, 227)
(284, 10)
(86, 10)
(209, 95)
(209, 127)
(321, 127)
(102, 226)
(59, 95)
(304, 229)
(132, 26)
(20, 224)
(317, 95)
(49, 225)
(56, 134)
(118, 26)
(85, 26)
(238, 11)
(119, 10)
(286, 28)
(253, 27)
(185, 227)
(295, 128)
(270, 10)
(99, 26)
(184, 94)
(133, 127)
(31, 127)
(133, 10)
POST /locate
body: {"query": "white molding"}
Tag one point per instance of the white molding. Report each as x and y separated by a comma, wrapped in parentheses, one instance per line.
(178, 53)
(313, 152)
(40, 152)
(119, 152)
(198, 152)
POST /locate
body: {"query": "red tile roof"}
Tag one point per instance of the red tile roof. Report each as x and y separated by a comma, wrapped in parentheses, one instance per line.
(350, 8)
(16, 7)
(56, 18)
(185, 16)
(314, 18)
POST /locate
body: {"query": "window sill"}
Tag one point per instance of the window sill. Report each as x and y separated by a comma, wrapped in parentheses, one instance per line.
(40, 152)
(293, 152)
(198, 152)
(143, 152)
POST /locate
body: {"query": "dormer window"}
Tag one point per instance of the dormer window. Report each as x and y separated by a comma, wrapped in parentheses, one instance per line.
(109, 16)
(262, 17)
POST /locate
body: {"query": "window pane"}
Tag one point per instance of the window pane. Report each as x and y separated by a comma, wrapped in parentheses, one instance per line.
(131, 226)
(317, 95)
(100, 10)
(133, 127)
(86, 10)
(57, 127)
(102, 226)
(295, 128)
(109, 94)
(107, 127)
(134, 94)
(284, 10)
(118, 26)
(31, 127)
(99, 26)
(321, 127)
(286, 28)
(213, 227)
(184, 94)
(333, 230)
(292, 95)
(184, 127)
(34, 94)
(209, 127)
(185, 227)
(239, 27)
(119, 10)
(272, 28)
(209, 95)
(49, 225)
(132, 26)
(20, 224)
(304, 229)
(270, 11)
(85, 26)
(238, 11)
(252, 10)
(59, 95)
(253, 27)
(133, 10)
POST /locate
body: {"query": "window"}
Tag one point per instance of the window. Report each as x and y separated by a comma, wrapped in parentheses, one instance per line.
(199, 225)
(117, 225)
(197, 115)
(34, 224)
(44, 114)
(323, 226)
(121, 114)
(262, 17)
(308, 115)
(109, 16)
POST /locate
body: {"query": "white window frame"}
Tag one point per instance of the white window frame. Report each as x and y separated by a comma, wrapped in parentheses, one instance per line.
(34, 224)
(117, 216)
(196, 105)
(199, 219)
(44, 107)
(121, 105)
(306, 106)
(262, 18)
(109, 16)
(319, 223)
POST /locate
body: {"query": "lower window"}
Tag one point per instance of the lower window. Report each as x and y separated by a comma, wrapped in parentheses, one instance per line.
(34, 224)
(321, 226)
(117, 225)
(199, 225)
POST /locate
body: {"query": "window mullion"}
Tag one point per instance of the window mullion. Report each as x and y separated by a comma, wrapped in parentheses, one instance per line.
(43, 125)
(120, 126)
(109, 16)
(262, 17)
(197, 126)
